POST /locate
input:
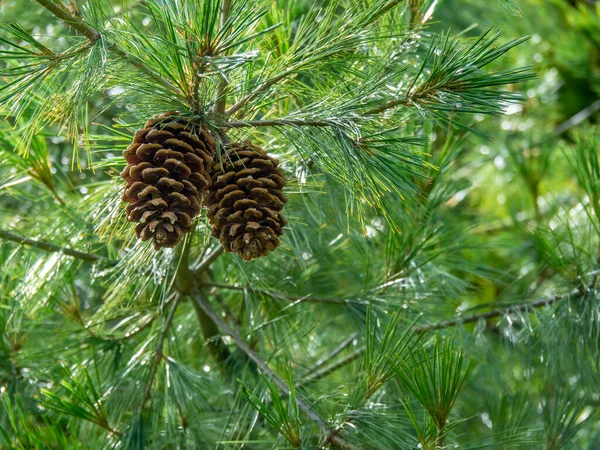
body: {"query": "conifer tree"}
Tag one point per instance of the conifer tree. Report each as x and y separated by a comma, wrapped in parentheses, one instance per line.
(355, 224)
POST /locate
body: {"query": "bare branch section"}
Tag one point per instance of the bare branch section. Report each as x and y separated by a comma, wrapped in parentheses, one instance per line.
(494, 313)
(185, 283)
(203, 304)
(326, 370)
(94, 36)
(402, 101)
(74, 22)
(49, 247)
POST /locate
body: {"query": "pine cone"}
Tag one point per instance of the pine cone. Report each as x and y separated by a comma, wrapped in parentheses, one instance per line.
(167, 176)
(245, 200)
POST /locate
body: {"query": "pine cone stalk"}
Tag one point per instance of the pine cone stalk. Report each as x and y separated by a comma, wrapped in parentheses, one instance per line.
(167, 175)
(245, 201)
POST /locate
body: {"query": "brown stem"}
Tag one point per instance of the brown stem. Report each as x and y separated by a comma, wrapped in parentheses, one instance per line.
(332, 367)
(389, 105)
(185, 282)
(203, 304)
(48, 246)
(74, 22)
(94, 36)
(495, 313)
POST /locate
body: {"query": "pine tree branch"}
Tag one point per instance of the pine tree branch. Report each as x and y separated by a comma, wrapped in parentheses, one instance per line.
(210, 332)
(330, 355)
(298, 299)
(50, 247)
(94, 36)
(267, 84)
(447, 324)
(276, 79)
(74, 22)
(208, 261)
(435, 326)
(259, 90)
(402, 101)
(219, 107)
(281, 385)
(185, 282)
(275, 123)
(330, 368)
(494, 313)
(158, 355)
(146, 324)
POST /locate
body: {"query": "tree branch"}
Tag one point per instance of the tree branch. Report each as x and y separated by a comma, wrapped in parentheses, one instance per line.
(575, 120)
(441, 325)
(330, 355)
(210, 331)
(185, 282)
(317, 375)
(48, 246)
(293, 298)
(219, 107)
(74, 22)
(435, 326)
(267, 84)
(275, 123)
(260, 89)
(208, 261)
(225, 328)
(389, 105)
(494, 313)
(94, 36)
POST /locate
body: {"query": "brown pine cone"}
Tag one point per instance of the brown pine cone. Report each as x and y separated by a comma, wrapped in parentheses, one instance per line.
(245, 200)
(167, 176)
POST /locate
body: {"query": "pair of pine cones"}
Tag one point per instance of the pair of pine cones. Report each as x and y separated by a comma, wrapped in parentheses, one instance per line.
(174, 168)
